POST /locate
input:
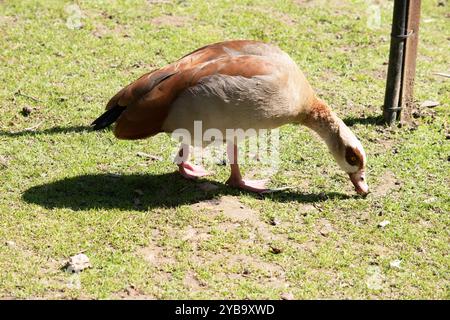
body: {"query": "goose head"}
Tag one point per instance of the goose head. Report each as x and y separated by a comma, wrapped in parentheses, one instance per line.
(350, 156)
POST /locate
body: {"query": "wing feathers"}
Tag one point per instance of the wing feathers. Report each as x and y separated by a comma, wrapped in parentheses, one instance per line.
(148, 99)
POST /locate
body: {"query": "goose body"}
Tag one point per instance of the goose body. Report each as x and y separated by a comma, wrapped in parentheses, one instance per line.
(268, 99)
(239, 84)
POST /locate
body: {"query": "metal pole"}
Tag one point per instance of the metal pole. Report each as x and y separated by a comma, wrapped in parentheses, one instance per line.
(394, 76)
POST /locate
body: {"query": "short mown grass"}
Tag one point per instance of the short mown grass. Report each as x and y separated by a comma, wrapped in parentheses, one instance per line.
(65, 189)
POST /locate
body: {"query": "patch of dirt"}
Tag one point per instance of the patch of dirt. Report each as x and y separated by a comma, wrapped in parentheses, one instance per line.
(306, 3)
(195, 235)
(192, 283)
(283, 17)
(233, 209)
(324, 227)
(306, 208)
(240, 266)
(320, 3)
(169, 20)
(309, 246)
(156, 255)
(380, 251)
(387, 183)
(228, 226)
(133, 293)
(102, 31)
(151, 2)
(162, 277)
(7, 20)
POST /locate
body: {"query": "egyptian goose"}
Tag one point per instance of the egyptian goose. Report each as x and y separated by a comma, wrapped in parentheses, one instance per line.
(229, 85)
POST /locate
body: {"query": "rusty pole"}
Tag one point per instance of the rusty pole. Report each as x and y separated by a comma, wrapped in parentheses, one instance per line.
(402, 60)
(409, 64)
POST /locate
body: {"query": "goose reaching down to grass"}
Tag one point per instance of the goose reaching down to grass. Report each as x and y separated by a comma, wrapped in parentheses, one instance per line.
(231, 85)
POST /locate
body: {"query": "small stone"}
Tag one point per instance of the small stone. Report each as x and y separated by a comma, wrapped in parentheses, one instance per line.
(287, 296)
(26, 111)
(383, 223)
(222, 162)
(77, 263)
(10, 244)
(88, 99)
(326, 230)
(275, 221)
(395, 264)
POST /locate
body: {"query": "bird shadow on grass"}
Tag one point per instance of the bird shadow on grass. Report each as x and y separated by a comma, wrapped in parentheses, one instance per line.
(142, 192)
(49, 131)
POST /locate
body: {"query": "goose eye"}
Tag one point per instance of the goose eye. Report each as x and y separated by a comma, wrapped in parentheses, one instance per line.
(351, 157)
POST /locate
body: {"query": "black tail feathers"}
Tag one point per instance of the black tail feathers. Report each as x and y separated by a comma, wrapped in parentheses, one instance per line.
(108, 117)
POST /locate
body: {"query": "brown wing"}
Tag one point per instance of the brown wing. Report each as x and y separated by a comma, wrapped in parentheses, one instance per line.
(148, 99)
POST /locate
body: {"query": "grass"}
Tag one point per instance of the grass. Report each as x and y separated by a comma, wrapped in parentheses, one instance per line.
(149, 234)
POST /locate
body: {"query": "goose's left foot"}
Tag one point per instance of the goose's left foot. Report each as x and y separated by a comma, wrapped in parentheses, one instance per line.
(236, 180)
(258, 186)
(191, 171)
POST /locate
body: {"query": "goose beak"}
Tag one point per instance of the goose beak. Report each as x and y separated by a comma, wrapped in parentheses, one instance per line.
(359, 181)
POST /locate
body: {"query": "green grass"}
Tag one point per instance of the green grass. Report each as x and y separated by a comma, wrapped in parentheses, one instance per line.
(65, 189)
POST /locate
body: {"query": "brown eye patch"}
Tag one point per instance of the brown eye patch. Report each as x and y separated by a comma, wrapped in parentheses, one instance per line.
(353, 157)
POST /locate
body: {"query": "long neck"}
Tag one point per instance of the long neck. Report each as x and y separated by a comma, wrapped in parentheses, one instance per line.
(319, 117)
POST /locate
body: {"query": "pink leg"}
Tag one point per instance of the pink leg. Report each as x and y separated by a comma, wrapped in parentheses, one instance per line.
(187, 169)
(235, 179)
